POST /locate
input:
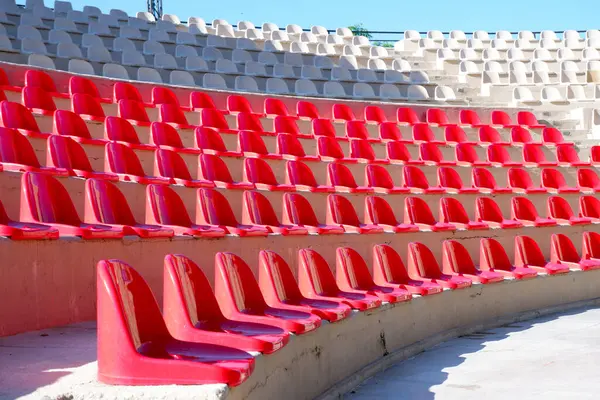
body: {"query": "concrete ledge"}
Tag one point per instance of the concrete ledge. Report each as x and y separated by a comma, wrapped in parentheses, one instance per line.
(322, 364)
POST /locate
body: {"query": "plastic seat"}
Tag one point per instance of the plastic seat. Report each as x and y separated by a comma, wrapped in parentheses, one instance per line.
(588, 180)
(352, 276)
(566, 155)
(121, 160)
(88, 107)
(257, 210)
(43, 80)
(38, 100)
(201, 100)
(240, 104)
(378, 212)
(45, 200)
(457, 260)
(423, 265)
(563, 251)
(520, 181)
(455, 135)
(164, 95)
(298, 211)
(240, 298)
(379, 178)
(487, 211)
(416, 181)
(169, 164)
(489, 135)
(534, 156)
(451, 182)
(417, 212)
(79, 84)
(166, 137)
(210, 142)
(493, 257)
(250, 144)
(594, 153)
(192, 312)
(323, 127)
(287, 124)
(300, 175)
(213, 118)
(258, 172)
(342, 112)
(520, 136)
(554, 181)
(329, 149)
(67, 123)
(250, 122)
(437, 117)
(528, 119)
(164, 207)
(316, 281)
(397, 153)
(374, 114)
(422, 133)
(18, 155)
(174, 115)
(307, 110)
(148, 354)
(452, 212)
(121, 130)
(66, 154)
(279, 288)
(407, 116)
(485, 182)
(106, 204)
(591, 246)
(529, 255)
(470, 118)
(214, 209)
(524, 211)
(211, 167)
(134, 112)
(498, 156)
(362, 151)
(341, 178)
(17, 230)
(552, 136)
(466, 155)
(127, 91)
(17, 116)
(560, 210)
(389, 131)
(502, 119)
(430, 154)
(389, 270)
(290, 148)
(358, 130)
(341, 212)
(276, 107)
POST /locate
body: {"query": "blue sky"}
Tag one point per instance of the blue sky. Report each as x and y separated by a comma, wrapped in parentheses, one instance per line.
(444, 15)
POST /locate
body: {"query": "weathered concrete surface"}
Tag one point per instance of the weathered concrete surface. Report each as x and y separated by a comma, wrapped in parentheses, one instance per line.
(553, 357)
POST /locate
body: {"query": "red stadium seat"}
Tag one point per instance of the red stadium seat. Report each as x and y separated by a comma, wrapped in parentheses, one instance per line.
(455, 135)
(362, 151)
(134, 112)
(379, 212)
(127, 91)
(407, 116)
(529, 255)
(166, 137)
(533, 155)
(353, 276)
(329, 149)
(307, 110)
(257, 210)
(490, 135)
(423, 265)
(588, 180)
(287, 124)
(379, 178)
(280, 290)
(122, 161)
(240, 298)
(554, 181)
(213, 118)
(452, 212)
(169, 164)
(470, 118)
(341, 212)
(323, 127)
(422, 133)
(526, 118)
(106, 204)
(437, 117)
(67, 123)
(316, 281)
(17, 116)
(485, 182)
(524, 211)
(520, 136)
(66, 154)
(466, 155)
(212, 208)
(499, 157)
(45, 200)
(374, 114)
(174, 115)
(17, 154)
(164, 95)
(38, 100)
(341, 178)
(258, 172)
(493, 257)
(290, 148)
(164, 207)
(589, 207)
(591, 246)
(560, 210)
(457, 260)
(88, 107)
(417, 212)
(192, 312)
(4, 83)
(301, 176)
(212, 167)
(210, 142)
(563, 251)
(502, 119)
(42, 80)
(552, 137)
(594, 154)
(566, 155)
(430, 154)
(79, 84)
(389, 131)
(486, 210)
(276, 107)
(416, 181)
(520, 181)
(298, 211)
(130, 324)
(239, 104)
(389, 270)
(358, 130)
(249, 122)
(342, 112)
(120, 130)
(397, 153)
(201, 100)
(17, 230)
(450, 180)
(250, 144)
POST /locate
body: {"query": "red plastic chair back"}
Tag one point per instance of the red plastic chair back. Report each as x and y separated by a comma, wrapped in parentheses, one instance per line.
(169, 164)
(352, 269)
(486, 209)
(34, 97)
(16, 149)
(406, 115)
(488, 134)
(258, 210)
(276, 107)
(416, 211)
(272, 267)
(213, 118)
(329, 147)
(553, 178)
(552, 135)
(388, 266)
(298, 173)
(562, 249)
(64, 152)
(323, 127)
(518, 134)
(284, 124)
(17, 116)
(533, 153)
(121, 159)
(423, 133)
(238, 104)
(134, 110)
(163, 95)
(389, 131)
(455, 134)
(519, 178)
(257, 170)
(214, 209)
(171, 113)
(166, 207)
(209, 139)
(40, 79)
(497, 153)
(456, 259)
(360, 148)
(452, 211)
(249, 141)
(501, 118)
(379, 212)
(125, 90)
(469, 117)
(306, 109)
(437, 116)
(449, 178)
(422, 262)
(588, 178)
(213, 168)
(559, 208)
(379, 177)
(340, 175)
(44, 199)
(566, 153)
(119, 129)
(84, 104)
(314, 275)
(414, 178)
(356, 130)
(342, 112)
(79, 84)
(163, 134)
(107, 203)
(594, 153)
(591, 245)
(249, 122)
(482, 178)
(201, 100)
(289, 145)
(298, 211)
(522, 208)
(397, 151)
(589, 207)
(528, 252)
(430, 152)
(492, 256)
(67, 123)
(527, 118)
(340, 211)
(374, 114)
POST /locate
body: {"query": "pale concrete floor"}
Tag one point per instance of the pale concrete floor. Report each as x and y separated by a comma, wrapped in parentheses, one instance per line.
(554, 357)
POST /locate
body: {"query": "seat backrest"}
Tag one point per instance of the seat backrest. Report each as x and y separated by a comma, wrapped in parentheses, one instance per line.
(562, 249)
(134, 110)
(257, 170)
(437, 116)
(407, 116)
(374, 114)
(553, 178)
(286, 124)
(64, 152)
(288, 144)
(500, 118)
(164, 95)
(165, 207)
(486, 209)
(430, 152)
(298, 211)
(414, 177)
(40, 79)
(378, 176)
(68, 123)
(422, 262)
(492, 256)
(314, 275)
(340, 175)
(552, 135)
(275, 276)
(566, 153)
(329, 147)
(258, 210)
(170, 164)
(236, 288)
(201, 100)
(209, 139)
(482, 178)
(389, 131)
(423, 133)
(397, 151)
(298, 173)
(238, 104)
(416, 211)
(523, 208)
(519, 178)
(306, 109)
(342, 112)
(379, 211)
(213, 168)
(351, 270)
(341, 211)
(125, 90)
(518, 134)
(361, 148)
(455, 134)
(591, 245)
(249, 122)
(488, 134)
(587, 178)
(456, 259)
(388, 266)
(498, 153)
(171, 113)
(36, 97)
(526, 118)
(449, 178)
(163, 134)
(15, 148)
(44, 199)
(119, 129)
(558, 207)
(533, 153)
(212, 208)
(106, 204)
(79, 84)
(323, 127)
(528, 252)
(17, 116)
(452, 211)
(249, 141)
(469, 117)
(356, 129)
(275, 107)
(85, 104)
